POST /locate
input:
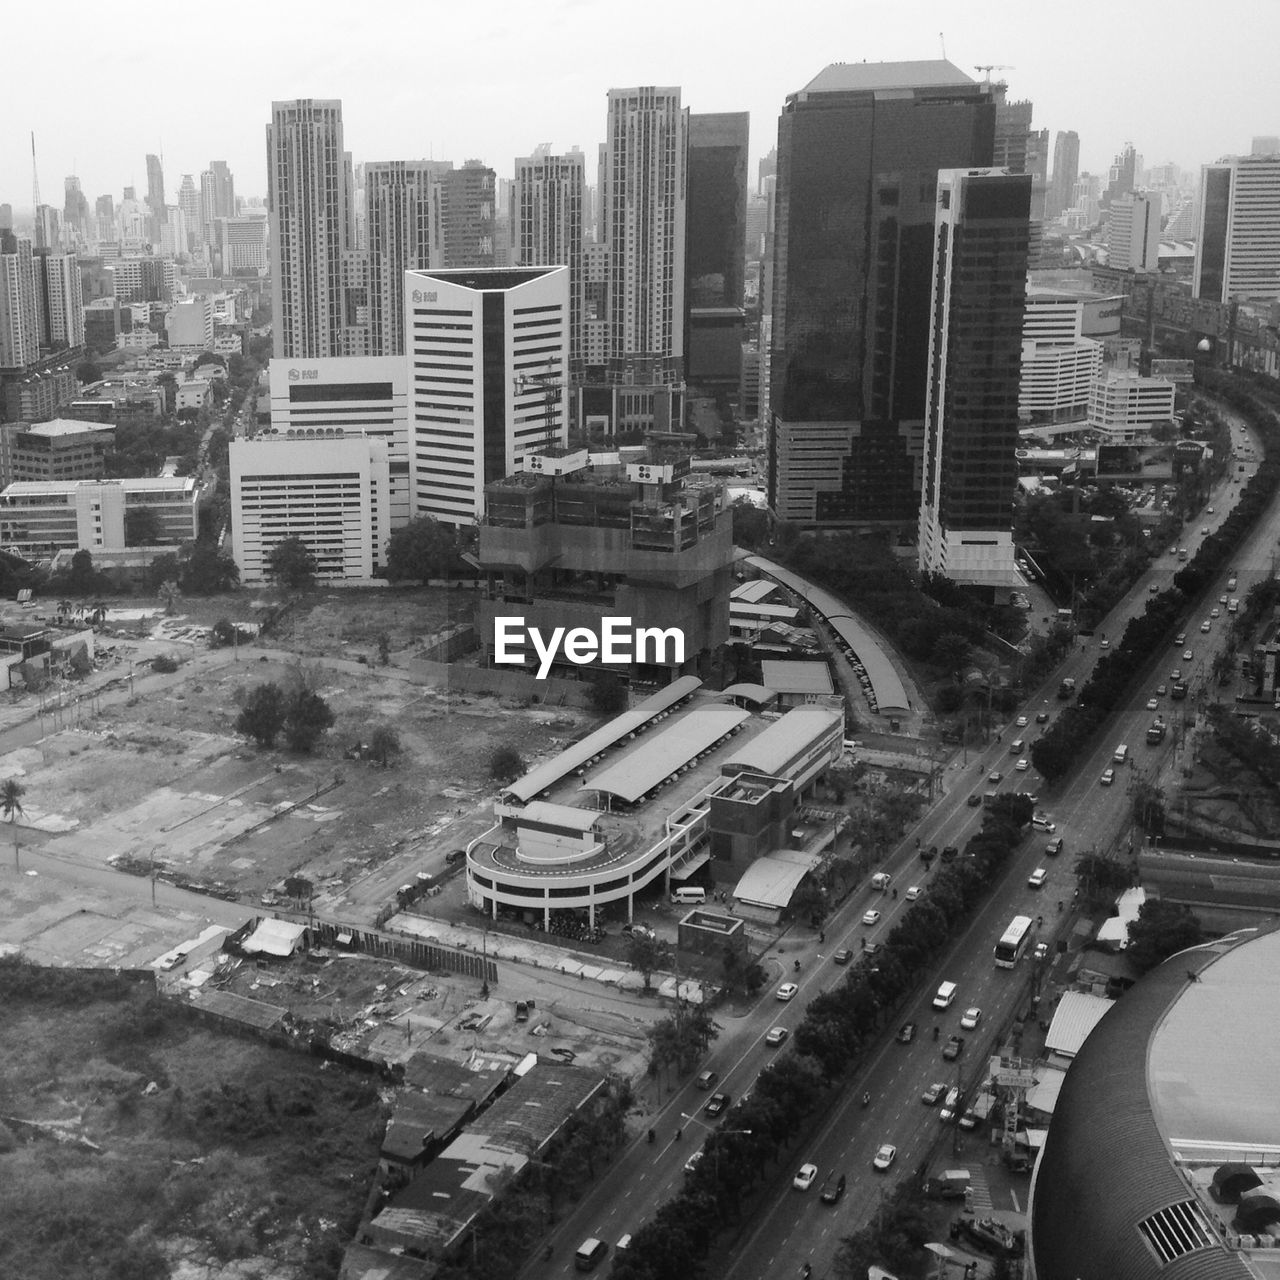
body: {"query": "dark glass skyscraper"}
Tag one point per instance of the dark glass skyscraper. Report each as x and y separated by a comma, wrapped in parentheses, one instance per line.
(859, 149)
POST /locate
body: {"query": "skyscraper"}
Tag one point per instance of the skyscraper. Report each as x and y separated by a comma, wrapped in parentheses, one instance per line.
(155, 197)
(398, 233)
(59, 300)
(978, 296)
(307, 198)
(75, 210)
(19, 328)
(644, 228)
(466, 215)
(217, 195)
(548, 227)
(1238, 252)
(104, 218)
(1123, 175)
(1066, 168)
(1133, 225)
(189, 203)
(859, 149)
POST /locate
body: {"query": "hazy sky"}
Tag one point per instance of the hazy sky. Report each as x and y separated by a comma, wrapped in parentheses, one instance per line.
(1184, 80)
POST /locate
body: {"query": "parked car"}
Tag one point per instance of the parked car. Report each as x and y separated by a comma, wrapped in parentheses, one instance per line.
(1041, 951)
(1042, 822)
(454, 855)
(1153, 704)
(912, 893)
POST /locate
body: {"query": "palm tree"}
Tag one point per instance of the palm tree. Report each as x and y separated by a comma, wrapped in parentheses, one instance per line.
(11, 793)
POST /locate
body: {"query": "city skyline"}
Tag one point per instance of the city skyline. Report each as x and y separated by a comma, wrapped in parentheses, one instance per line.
(1111, 74)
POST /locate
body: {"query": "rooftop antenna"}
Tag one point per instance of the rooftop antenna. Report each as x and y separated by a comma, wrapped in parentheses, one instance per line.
(35, 176)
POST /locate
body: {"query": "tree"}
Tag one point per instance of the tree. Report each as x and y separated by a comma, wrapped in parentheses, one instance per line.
(608, 694)
(750, 524)
(142, 527)
(170, 593)
(165, 568)
(307, 717)
(87, 371)
(1162, 929)
(422, 549)
(292, 564)
(647, 953)
(82, 580)
(11, 793)
(263, 715)
(384, 648)
(207, 571)
(951, 652)
(384, 745)
(505, 764)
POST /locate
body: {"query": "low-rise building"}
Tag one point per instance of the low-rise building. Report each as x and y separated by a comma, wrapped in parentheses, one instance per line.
(62, 449)
(1125, 406)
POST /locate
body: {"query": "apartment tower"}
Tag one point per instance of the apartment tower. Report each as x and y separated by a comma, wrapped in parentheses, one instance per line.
(1238, 252)
(1066, 168)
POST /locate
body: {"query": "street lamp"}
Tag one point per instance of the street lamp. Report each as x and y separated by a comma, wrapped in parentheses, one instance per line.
(711, 1129)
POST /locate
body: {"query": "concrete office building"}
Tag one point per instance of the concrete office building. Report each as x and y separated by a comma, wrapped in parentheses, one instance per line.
(548, 229)
(859, 149)
(59, 301)
(189, 323)
(981, 240)
(488, 368)
(155, 196)
(242, 243)
(1066, 168)
(465, 215)
(399, 238)
(1059, 365)
(1125, 406)
(62, 449)
(327, 487)
(143, 279)
(1133, 227)
(352, 394)
(1238, 252)
(309, 209)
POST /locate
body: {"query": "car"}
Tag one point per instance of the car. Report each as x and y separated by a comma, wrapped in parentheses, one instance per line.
(1162, 689)
(1042, 717)
(912, 893)
(1054, 847)
(953, 1048)
(1153, 587)
(1188, 655)
(833, 1188)
(1105, 643)
(455, 856)
(776, 1036)
(1180, 639)
(638, 931)
(1037, 878)
(885, 1156)
(971, 1018)
(1175, 674)
(1041, 822)
(995, 776)
(1108, 777)
(1023, 765)
(1032, 796)
(974, 800)
(1206, 625)
(871, 948)
(1215, 612)
(1021, 722)
(1222, 599)
(1041, 951)
(716, 1104)
(951, 1105)
(1209, 510)
(1204, 528)
(787, 991)
(843, 956)
(931, 1095)
(906, 1033)
(707, 1079)
(624, 1242)
(1153, 704)
(693, 1162)
(871, 917)
(805, 1177)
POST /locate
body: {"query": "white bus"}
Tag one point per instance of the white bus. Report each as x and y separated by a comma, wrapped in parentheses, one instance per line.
(1013, 943)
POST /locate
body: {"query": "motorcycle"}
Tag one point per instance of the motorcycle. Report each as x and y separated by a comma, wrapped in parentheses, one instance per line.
(866, 1099)
(797, 965)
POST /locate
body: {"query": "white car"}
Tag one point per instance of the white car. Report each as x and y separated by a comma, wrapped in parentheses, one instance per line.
(971, 1018)
(1022, 766)
(1037, 878)
(776, 1036)
(1041, 822)
(1021, 721)
(885, 1156)
(1153, 704)
(913, 893)
(1108, 777)
(787, 991)
(1215, 612)
(1206, 625)
(1188, 655)
(1162, 689)
(871, 917)
(806, 1177)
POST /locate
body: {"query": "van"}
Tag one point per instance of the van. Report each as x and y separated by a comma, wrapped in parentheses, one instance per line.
(688, 895)
(1015, 747)
(1121, 754)
(880, 880)
(589, 1254)
(946, 994)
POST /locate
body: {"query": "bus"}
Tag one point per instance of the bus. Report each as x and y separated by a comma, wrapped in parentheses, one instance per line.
(1013, 943)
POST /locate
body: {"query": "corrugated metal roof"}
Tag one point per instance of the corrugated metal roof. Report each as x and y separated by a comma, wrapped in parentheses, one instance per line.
(775, 748)
(754, 592)
(639, 771)
(772, 880)
(796, 677)
(560, 815)
(1075, 1017)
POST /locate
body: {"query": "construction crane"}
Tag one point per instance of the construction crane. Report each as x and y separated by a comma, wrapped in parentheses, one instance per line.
(989, 67)
(551, 386)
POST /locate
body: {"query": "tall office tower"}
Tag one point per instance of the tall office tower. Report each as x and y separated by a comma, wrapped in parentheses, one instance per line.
(1134, 232)
(399, 233)
(768, 168)
(1066, 168)
(6, 217)
(59, 300)
(189, 203)
(131, 219)
(715, 249)
(307, 193)
(104, 218)
(19, 328)
(1013, 125)
(1038, 168)
(465, 201)
(644, 228)
(1238, 253)
(1266, 144)
(489, 352)
(48, 228)
(502, 226)
(859, 149)
(173, 235)
(1123, 175)
(75, 210)
(217, 195)
(1087, 197)
(978, 296)
(548, 228)
(155, 196)
(242, 242)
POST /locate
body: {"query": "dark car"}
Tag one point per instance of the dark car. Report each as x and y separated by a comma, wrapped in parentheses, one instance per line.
(954, 1048)
(833, 1188)
(707, 1079)
(843, 956)
(1042, 717)
(974, 800)
(949, 853)
(716, 1104)
(907, 1033)
(455, 855)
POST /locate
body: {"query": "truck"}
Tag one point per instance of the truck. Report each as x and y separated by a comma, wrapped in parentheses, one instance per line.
(1178, 691)
(950, 1184)
(1067, 689)
(1156, 732)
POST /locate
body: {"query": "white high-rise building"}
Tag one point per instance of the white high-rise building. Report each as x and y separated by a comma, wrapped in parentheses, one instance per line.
(1238, 251)
(1133, 225)
(59, 300)
(19, 325)
(548, 228)
(308, 189)
(488, 369)
(643, 222)
(189, 203)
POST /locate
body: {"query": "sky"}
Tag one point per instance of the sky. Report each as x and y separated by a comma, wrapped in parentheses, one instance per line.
(1183, 80)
